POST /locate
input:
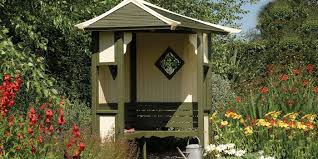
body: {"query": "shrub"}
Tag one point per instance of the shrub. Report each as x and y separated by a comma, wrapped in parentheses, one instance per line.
(221, 91)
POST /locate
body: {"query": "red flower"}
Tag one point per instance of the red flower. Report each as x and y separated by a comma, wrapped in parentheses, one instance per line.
(33, 150)
(40, 139)
(43, 106)
(75, 131)
(70, 143)
(296, 72)
(11, 121)
(75, 128)
(81, 146)
(283, 77)
(19, 135)
(316, 90)
(30, 131)
(11, 103)
(6, 77)
(310, 68)
(51, 129)
(61, 120)
(238, 99)
(264, 90)
(49, 113)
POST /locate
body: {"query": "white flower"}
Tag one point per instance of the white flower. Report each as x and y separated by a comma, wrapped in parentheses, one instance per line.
(221, 147)
(210, 148)
(230, 152)
(240, 153)
(261, 152)
(230, 146)
(267, 157)
(218, 155)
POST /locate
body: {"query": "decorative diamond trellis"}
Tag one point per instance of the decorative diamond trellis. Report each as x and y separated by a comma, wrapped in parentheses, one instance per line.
(169, 63)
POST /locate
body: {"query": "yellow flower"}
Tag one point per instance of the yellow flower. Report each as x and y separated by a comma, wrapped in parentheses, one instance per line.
(214, 115)
(242, 121)
(262, 122)
(274, 114)
(309, 117)
(233, 115)
(282, 124)
(248, 130)
(299, 125)
(224, 123)
(291, 116)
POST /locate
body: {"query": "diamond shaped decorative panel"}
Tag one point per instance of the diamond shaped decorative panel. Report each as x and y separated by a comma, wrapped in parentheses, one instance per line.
(169, 63)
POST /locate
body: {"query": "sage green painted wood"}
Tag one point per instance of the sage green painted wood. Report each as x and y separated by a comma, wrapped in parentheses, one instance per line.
(94, 80)
(106, 63)
(131, 17)
(107, 112)
(200, 93)
(160, 134)
(108, 106)
(158, 116)
(128, 16)
(119, 54)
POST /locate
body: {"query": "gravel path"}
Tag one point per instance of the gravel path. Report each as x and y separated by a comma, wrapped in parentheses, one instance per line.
(166, 155)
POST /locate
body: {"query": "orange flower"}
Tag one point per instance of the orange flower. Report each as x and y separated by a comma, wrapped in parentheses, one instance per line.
(238, 99)
(305, 83)
(283, 77)
(316, 90)
(264, 90)
(296, 72)
(310, 68)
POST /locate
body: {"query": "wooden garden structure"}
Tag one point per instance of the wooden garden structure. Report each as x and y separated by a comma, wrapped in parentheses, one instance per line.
(149, 71)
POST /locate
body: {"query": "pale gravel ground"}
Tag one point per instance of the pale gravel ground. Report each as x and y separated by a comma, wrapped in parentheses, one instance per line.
(166, 155)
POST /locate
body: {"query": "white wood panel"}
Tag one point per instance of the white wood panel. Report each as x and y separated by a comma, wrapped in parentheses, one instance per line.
(107, 127)
(152, 84)
(106, 47)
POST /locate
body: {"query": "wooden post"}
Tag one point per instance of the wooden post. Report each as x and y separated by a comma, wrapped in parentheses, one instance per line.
(200, 94)
(119, 56)
(144, 149)
(94, 80)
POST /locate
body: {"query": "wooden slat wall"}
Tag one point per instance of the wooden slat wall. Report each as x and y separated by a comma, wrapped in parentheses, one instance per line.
(162, 116)
(152, 85)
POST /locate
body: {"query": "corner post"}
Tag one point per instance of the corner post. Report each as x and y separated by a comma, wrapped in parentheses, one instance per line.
(200, 92)
(119, 56)
(94, 80)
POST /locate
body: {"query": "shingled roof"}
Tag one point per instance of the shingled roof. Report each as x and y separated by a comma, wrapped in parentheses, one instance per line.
(142, 15)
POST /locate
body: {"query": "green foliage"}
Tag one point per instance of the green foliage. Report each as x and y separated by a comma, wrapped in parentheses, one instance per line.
(36, 82)
(221, 91)
(225, 11)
